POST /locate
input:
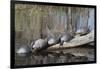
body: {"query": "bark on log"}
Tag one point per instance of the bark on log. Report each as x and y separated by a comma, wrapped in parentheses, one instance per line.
(77, 41)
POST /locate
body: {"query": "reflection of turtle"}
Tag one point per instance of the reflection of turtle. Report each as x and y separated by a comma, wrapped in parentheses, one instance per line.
(24, 49)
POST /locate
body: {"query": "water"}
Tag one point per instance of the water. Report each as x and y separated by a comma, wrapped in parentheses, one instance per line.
(79, 54)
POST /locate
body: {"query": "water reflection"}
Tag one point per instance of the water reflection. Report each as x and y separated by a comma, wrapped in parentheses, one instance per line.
(55, 57)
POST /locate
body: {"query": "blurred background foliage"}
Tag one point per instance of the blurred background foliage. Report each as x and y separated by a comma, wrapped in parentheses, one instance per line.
(36, 21)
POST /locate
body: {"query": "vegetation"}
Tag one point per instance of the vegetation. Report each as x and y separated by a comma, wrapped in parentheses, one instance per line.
(31, 21)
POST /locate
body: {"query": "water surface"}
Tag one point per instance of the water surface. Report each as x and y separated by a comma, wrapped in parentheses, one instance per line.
(78, 54)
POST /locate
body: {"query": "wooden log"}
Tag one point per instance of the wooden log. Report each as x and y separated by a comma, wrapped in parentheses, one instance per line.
(77, 41)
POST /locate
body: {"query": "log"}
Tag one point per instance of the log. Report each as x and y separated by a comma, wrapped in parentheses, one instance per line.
(77, 41)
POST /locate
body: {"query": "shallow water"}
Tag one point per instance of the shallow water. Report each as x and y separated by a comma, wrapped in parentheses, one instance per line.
(79, 54)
